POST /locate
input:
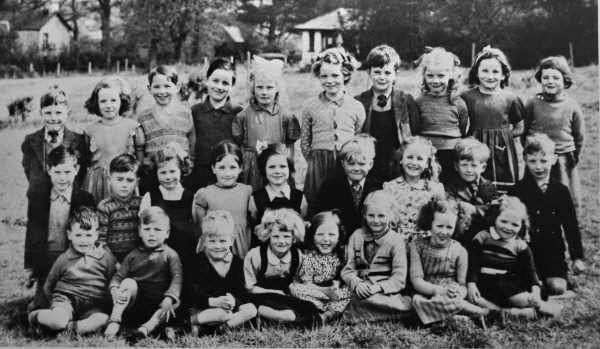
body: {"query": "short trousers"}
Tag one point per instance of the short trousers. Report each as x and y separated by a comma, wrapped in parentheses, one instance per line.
(499, 288)
(78, 307)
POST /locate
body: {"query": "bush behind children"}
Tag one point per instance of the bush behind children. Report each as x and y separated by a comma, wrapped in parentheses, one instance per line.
(185, 195)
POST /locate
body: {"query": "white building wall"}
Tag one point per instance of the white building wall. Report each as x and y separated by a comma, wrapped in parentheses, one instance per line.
(59, 37)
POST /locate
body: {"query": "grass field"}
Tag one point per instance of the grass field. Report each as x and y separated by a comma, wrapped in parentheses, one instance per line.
(579, 326)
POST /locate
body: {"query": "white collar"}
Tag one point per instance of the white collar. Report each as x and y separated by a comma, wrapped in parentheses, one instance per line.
(361, 183)
(286, 191)
(174, 194)
(274, 260)
(59, 138)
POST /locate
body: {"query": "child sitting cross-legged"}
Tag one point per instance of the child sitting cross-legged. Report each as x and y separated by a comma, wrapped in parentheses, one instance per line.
(270, 269)
(376, 267)
(148, 283)
(438, 266)
(216, 284)
(77, 281)
(466, 185)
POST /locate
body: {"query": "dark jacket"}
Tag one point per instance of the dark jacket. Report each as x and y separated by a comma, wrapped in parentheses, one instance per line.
(36, 236)
(336, 193)
(34, 158)
(405, 111)
(550, 214)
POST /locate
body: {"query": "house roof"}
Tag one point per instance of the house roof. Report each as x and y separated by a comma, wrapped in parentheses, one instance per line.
(234, 33)
(330, 21)
(38, 20)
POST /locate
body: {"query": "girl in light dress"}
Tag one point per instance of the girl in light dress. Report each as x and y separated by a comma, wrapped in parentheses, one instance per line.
(111, 135)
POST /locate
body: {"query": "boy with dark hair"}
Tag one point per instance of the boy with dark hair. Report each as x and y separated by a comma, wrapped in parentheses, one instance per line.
(118, 214)
(77, 282)
(389, 111)
(48, 212)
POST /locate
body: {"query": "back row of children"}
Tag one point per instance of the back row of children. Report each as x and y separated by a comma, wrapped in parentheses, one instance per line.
(164, 135)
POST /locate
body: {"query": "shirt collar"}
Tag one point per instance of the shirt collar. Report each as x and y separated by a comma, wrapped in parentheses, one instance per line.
(156, 249)
(377, 238)
(123, 202)
(66, 195)
(361, 183)
(420, 184)
(338, 102)
(226, 108)
(227, 258)
(286, 191)
(274, 260)
(257, 107)
(59, 138)
(168, 194)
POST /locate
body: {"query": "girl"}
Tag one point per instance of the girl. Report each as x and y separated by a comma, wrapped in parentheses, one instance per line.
(167, 121)
(319, 274)
(559, 116)
(270, 269)
(328, 120)
(443, 117)
(495, 115)
(501, 268)
(416, 183)
(174, 199)
(276, 166)
(264, 121)
(227, 194)
(111, 135)
(213, 119)
(376, 267)
(217, 283)
(438, 265)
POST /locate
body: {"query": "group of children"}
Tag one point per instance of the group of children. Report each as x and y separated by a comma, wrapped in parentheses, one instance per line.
(192, 215)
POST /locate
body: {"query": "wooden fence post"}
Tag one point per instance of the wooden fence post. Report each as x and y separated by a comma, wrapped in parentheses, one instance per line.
(133, 68)
(89, 67)
(118, 66)
(571, 55)
(58, 68)
(126, 64)
(472, 53)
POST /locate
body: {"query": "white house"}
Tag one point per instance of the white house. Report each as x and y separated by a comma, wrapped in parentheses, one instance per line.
(49, 32)
(322, 32)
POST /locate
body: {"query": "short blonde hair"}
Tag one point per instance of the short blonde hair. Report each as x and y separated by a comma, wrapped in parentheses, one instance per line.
(216, 223)
(360, 146)
(284, 219)
(471, 149)
(381, 197)
(538, 142)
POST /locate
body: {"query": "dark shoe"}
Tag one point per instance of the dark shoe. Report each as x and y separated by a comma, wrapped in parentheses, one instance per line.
(135, 337)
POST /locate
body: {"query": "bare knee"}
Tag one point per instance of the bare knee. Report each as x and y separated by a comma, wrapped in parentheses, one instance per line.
(556, 285)
(56, 319)
(248, 310)
(129, 285)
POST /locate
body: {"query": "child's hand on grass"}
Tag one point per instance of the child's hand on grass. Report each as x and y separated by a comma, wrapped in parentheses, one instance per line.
(167, 306)
(222, 302)
(578, 266)
(473, 294)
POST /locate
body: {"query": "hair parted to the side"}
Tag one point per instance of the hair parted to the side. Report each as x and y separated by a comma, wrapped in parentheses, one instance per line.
(319, 219)
(335, 56)
(283, 219)
(123, 163)
(559, 63)
(54, 96)
(489, 52)
(382, 199)
(223, 64)
(165, 70)
(86, 217)
(439, 57)
(91, 104)
(427, 212)
(272, 150)
(509, 203)
(360, 147)
(61, 155)
(432, 170)
(223, 149)
(472, 150)
(382, 55)
(154, 214)
(216, 223)
(538, 142)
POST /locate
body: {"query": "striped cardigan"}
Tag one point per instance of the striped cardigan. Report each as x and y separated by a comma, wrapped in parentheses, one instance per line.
(388, 267)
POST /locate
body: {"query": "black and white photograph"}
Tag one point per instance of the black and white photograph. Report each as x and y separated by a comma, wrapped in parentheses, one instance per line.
(299, 173)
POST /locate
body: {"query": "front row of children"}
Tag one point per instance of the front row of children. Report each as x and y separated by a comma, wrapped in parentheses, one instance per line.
(321, 275)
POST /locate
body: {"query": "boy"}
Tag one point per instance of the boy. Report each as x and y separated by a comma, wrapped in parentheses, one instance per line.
(466, 185)
(551, 213)
(346, 193)
(54, 110)
(118, 213)
(150, 277)
(389, 111)
(77, 283)
(217, 286)
(47, 216)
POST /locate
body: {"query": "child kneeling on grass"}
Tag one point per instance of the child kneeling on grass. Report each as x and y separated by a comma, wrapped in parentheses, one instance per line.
(217, 289)
(376, 266)
(150, 277)
(270, 268)
(77, 281)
